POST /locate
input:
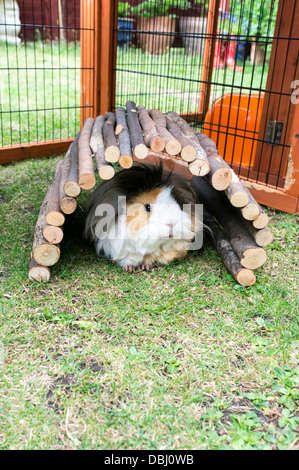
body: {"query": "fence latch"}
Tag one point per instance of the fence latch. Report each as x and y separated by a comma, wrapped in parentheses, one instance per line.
(274, 132)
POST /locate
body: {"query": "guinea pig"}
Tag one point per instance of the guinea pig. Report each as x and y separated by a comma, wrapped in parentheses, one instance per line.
(143, 216)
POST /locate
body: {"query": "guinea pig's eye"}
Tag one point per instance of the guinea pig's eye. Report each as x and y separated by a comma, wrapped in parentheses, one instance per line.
(147, 207)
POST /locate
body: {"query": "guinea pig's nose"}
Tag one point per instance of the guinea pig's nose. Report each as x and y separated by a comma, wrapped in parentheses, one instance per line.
(170, 229)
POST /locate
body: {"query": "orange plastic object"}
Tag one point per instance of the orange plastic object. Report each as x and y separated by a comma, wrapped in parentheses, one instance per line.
(233, 122)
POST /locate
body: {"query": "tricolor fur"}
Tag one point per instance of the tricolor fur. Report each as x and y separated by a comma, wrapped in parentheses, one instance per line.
(153, 218)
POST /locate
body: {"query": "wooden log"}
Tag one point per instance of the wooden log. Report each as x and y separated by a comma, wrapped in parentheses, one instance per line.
(53, 234)
(122, 131)
(188, 151)
(44, 253)
(220, 174)
(172, 145)
(244, 276)
(151, 136)
(237, 193)
(251, 210)
(87, 178)
(111, 145)
(200, 166)
(207, 144)
(67, 204)
(125, 161)
(37, 272)
(71, 186)
(136, 135)
(96, 137)
(251, 256)
(241, 198)
(172, 163)
(262, 237)
(105, 169)
(262, 220)
(54, 215)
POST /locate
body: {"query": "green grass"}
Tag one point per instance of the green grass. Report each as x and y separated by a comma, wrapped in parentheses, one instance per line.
(180, 357)
(40, 86)
(39, 91)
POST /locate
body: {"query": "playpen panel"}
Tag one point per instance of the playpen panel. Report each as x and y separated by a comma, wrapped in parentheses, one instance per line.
(271, 158)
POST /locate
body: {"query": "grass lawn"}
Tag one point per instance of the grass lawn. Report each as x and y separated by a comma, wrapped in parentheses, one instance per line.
(181, 357)
(39, 92)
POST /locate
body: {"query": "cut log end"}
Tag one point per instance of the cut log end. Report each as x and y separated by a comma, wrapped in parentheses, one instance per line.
(53, 234)
(261, 221)
(188, 153)
(46, 254)
(87, 181)
(106, 172)
(141, 151)
(55, 218)
(125, 161)
(157, 144)
(251, 211)
(221, 179)
(53, 212)
(68, 205)
(253, 258)
(199, 167)
(173, 147)
(239, 199)
(72, 189)
(264, 237)
(119, 128)
(112, 154)
(245, 277)
(39, 273)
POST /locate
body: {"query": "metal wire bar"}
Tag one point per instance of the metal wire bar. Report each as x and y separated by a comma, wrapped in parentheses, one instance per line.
(40, 80)
(173, 80)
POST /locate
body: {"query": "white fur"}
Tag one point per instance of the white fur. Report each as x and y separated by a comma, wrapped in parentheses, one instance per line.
(129, 248)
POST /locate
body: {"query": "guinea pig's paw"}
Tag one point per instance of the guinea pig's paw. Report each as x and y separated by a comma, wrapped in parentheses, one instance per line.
(144, 267)
(129, 268)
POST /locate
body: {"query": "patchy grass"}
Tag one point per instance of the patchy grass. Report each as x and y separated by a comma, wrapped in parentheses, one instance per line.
(177, 358)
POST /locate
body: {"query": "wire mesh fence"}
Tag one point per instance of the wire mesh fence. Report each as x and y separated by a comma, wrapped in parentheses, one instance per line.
(170, 72)
(164, 60)
(163, 65)
(40, 70)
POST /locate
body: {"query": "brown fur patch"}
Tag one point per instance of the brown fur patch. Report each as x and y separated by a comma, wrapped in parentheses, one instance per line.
(178, 251)
(147, 198)
(137, 216)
